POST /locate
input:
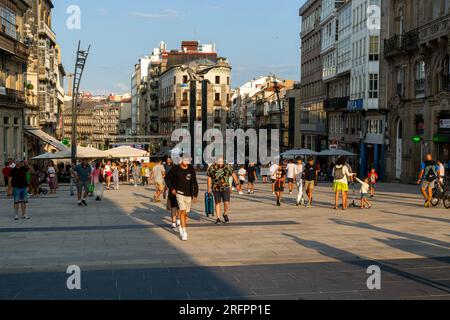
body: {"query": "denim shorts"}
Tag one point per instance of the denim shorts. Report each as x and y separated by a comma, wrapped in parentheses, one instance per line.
(222, 196)
(20, 195)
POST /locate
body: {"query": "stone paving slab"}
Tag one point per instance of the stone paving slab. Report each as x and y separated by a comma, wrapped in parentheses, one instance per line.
(267, 252)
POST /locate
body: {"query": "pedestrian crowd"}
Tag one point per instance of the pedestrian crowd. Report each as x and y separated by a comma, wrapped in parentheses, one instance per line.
(177, 185)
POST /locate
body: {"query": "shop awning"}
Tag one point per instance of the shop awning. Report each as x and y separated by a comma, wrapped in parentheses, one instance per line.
(45, 137)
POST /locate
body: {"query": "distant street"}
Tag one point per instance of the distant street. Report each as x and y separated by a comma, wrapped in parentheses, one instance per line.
(126, 251)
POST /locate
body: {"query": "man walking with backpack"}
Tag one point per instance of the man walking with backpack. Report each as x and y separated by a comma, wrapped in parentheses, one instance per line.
(428, 177)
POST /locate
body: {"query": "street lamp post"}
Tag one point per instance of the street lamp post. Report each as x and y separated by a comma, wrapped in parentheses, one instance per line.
(280, 109)
(80, 63)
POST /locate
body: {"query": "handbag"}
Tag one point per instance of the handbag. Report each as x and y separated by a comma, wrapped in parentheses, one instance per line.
(91, 188)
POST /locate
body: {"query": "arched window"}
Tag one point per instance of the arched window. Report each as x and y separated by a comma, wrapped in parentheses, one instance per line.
(419, 82)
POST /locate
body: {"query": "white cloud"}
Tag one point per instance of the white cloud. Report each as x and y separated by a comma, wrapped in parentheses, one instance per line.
(121, 86)
(168, 13)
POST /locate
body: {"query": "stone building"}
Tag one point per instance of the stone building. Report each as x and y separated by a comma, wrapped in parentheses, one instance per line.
(85, 122)
(13, 58)
(313, 115)
(415, 85)
(174, 87)
(43, 67)
(106, 123)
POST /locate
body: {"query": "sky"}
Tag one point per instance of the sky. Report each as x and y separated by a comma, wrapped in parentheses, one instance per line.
(256, 36)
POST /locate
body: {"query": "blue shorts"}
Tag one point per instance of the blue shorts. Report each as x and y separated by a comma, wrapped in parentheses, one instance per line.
(20, 195)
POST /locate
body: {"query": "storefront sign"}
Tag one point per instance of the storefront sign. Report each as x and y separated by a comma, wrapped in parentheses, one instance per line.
(355, 105)
(444, 124)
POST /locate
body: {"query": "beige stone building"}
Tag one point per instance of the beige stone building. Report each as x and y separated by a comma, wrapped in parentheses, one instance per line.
(13, 56)
(415, 84)
(85, 122)
(43, 66)
(174, 85)
(106, 124)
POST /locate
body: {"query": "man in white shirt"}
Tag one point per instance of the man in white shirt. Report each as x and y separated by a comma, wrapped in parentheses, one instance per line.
(158, 176)
(299, 180)
(290, 174)
(273, 175)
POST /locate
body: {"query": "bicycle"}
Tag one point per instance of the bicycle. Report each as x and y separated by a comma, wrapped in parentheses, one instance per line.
(441, 193)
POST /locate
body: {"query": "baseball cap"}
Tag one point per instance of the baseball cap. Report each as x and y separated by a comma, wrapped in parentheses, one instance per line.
(186, 160)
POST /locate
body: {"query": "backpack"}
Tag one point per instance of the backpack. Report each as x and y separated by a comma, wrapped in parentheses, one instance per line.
(430, 171)
(339, 173)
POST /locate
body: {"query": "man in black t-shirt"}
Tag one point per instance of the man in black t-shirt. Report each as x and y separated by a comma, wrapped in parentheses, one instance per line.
(18, 187)
(252, 177)
(182, 183)
(310, 174)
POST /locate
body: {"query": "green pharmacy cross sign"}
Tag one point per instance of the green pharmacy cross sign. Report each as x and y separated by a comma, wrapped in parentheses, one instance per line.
(417, 139)
(66, 142)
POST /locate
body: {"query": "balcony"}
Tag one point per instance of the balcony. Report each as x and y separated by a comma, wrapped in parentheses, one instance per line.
(401, 44)
(11, 96)
(22, 50)
(419, 88)
(217, 103)
(184, 119)
(44, 29)
(336, 104)
(313, 127)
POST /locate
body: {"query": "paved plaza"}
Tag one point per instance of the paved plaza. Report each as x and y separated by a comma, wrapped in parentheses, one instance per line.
(126, 251)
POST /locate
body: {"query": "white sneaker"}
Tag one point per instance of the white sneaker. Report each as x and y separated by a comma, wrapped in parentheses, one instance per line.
(241, 193)
(16, 217)
(178, 223)
(180, 229)
(184, 237)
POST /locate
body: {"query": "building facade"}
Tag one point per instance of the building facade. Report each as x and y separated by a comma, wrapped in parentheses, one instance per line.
(43, 66)
(174, 86)
(14, 56)
(106, 124)
(415, 87)
(344, 125)
(313, 115)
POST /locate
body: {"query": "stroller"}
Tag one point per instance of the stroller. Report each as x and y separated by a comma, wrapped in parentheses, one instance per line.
(42, 180)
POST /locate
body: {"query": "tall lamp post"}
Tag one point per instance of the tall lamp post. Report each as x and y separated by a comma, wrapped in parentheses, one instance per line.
(80, 62)
(280, 108)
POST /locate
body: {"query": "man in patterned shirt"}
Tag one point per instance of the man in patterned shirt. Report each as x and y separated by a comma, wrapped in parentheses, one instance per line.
(219, 175)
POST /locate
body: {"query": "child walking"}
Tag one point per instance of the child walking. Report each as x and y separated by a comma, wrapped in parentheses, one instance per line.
(115, 174)
(373, 179)
(365, 186)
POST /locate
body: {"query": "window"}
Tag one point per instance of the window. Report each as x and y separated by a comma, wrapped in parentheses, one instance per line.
(217, 97)
(185, 96)
(373, 86)
(8, 22)
(420, 79)
(436, 8)
(401, 81)
(185, 79)
(217, 79)
(374, 48)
